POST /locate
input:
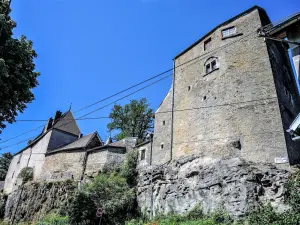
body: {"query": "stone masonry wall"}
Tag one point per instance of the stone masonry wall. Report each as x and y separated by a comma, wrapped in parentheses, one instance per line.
(99, 158)
(230, 184)
(63, 165)
(231, 112)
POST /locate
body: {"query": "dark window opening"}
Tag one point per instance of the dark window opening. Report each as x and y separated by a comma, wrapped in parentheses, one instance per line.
(214, 65)
(162, 146)
(164, 122)
(143, 154)
(211, 65)
(208, 69)
(204, 97)
(207, 44)
(189, 88)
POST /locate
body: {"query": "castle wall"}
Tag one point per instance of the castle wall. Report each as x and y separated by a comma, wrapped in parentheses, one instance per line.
(230, 112)
(147, 148)
(162, 131)
(97, 159)
(64, 165)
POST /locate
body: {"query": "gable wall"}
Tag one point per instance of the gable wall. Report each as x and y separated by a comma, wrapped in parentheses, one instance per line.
(60, 138)
(31, 157)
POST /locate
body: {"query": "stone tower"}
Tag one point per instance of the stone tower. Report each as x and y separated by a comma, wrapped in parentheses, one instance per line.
(234, 96)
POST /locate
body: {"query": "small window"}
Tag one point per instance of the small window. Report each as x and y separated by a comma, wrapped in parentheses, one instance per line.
(164, 122)
(211, 64)
(207, 44)
(189, 88)
(229, 32)
(143, 154)
(162, 146)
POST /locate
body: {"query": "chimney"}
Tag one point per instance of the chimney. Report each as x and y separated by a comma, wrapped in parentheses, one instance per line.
(48, 125)
(108, 141)
(57, 116)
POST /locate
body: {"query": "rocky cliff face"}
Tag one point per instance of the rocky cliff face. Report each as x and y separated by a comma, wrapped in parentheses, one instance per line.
(33, 200)
(232, 185)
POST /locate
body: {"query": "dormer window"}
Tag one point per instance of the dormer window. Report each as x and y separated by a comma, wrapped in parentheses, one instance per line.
(229, 32)
(211, 65)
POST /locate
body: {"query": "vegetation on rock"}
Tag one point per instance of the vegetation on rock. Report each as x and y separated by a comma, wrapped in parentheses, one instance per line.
(111, 190)
(26, 174)
(17, 76)
(132, 120)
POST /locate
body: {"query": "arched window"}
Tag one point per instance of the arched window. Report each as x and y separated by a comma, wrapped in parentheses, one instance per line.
(211, 64)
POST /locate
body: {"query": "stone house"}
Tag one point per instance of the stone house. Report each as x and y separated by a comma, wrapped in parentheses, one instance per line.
(62, 152)
(234, 94)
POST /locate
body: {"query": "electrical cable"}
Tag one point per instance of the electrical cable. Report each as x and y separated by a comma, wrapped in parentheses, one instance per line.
(160, 74)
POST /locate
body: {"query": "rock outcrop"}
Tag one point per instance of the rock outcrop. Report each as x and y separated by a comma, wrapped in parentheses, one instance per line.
(33, 200)
(232, 185)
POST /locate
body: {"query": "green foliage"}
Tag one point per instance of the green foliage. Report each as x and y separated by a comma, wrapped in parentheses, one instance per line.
(17, 76)
(267, 215)
(3, 199)
(54, 219)
(292, 193)
(195, 213)
(131, 120)
(108, 191)
(128, 169)
(5, 160)
(194, 217)
(26, 174)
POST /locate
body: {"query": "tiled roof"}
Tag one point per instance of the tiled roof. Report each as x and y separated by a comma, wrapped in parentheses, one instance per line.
(80, 143)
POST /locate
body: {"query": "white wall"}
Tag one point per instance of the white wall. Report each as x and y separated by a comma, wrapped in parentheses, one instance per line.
(32, 157)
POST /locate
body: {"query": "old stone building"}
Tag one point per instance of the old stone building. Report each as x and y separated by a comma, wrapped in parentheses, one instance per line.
(233, 95)
(61, 152)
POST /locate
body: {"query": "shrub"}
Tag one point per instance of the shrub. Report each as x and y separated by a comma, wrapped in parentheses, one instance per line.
(267, 215)
(26, 174)
(292, 193)
(110, 192)
(54, 219)
(128, 169)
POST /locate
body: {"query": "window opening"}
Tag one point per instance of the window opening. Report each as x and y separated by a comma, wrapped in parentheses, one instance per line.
(229, 32)
(207, 44)
(143, 154)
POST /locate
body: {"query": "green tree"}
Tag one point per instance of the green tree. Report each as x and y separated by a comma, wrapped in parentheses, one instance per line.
(5, 160)
(17, 76)
(132, 120)
(108, 191)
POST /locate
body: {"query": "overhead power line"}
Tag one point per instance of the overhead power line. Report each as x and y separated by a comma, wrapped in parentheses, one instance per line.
(160, 74)
(92, 118)
(81, 117)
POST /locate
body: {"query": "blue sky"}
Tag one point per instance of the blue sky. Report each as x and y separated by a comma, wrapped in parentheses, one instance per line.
(90, 49)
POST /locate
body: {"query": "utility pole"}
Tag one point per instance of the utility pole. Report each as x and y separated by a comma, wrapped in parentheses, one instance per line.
(172, 112)
(151, 181)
